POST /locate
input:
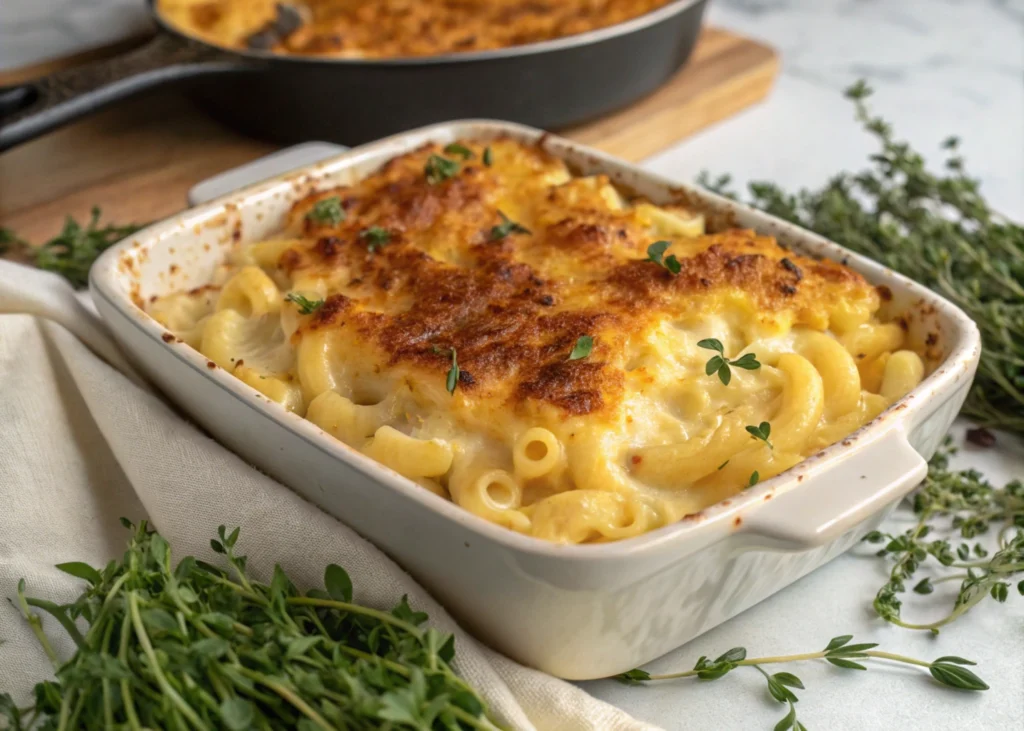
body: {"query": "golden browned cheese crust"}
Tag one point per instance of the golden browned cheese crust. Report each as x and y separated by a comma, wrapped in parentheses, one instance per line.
(548, 350)
(394, 28)
(513, 307)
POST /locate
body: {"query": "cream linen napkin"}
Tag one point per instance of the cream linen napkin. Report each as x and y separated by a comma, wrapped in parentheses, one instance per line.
(81, 445)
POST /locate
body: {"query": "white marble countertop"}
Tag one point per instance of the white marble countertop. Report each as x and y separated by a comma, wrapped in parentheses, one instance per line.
(939, 67)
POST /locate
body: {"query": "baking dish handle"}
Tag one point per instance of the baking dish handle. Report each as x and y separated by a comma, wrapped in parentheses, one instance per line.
(26, 290)
(263, 168)
(859, 486)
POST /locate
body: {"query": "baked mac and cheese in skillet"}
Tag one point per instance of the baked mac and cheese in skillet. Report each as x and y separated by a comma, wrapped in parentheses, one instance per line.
(392, 28)
(544, 352)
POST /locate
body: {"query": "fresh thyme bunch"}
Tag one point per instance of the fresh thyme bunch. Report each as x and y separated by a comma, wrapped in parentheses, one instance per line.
(198, 647)
(973, 506)
(72, 252)
(936, 229)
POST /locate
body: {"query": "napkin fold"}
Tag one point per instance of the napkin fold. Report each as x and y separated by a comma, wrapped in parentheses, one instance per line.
(82, 444)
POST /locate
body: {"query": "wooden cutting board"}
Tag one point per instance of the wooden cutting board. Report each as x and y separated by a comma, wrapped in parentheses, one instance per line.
(138, 159)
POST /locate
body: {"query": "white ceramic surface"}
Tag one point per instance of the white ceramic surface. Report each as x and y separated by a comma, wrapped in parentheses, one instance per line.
(605, 608)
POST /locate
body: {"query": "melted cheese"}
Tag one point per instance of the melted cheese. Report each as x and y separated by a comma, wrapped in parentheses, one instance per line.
(393, 28)
(509, 265)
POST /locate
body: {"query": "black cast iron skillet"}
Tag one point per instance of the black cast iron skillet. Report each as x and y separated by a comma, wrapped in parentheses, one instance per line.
(288, 99)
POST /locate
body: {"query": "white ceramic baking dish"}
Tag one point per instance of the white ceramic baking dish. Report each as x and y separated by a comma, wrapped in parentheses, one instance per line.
(579, 612)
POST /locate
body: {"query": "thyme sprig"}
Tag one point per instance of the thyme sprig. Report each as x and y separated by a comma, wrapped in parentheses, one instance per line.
(720, 365)
(306, 306)
(973, 507)
(199, 647)
(935, 228)
(949, 671)
(71, 252)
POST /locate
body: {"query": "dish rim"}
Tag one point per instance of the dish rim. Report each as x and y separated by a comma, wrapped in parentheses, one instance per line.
(964, 338)
(640, 22)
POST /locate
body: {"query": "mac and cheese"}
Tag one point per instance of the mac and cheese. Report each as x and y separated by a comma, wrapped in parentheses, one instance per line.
(515, 339)
(392, 28)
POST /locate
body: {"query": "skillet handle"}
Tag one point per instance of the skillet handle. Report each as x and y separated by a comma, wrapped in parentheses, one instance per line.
(28, 110)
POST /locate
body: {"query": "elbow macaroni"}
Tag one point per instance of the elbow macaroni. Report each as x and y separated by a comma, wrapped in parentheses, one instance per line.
(536, 453)
(632, 436)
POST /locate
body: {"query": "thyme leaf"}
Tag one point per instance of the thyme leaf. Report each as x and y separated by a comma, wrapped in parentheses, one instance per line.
(506, 227)
(438, 169)
(459, 150)
(327, 211)
(762, 431)
(584, 344)
(656, 253)
(452, 379)
(375, 237)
